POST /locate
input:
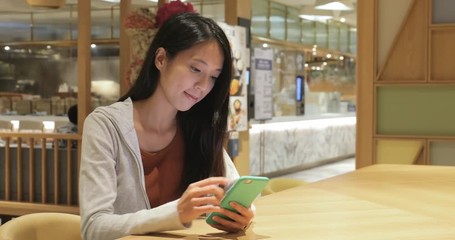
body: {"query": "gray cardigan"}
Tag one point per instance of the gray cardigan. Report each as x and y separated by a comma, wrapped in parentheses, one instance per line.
(112, 197)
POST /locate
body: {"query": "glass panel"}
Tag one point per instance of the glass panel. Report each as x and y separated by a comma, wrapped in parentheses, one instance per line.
(332, 80)
(352, 40)
(73, 28)
(116, 23)
(333, 31)
(308, 32)
(442, 11)
(14, 27)
(213, 10)
(277, 21)
(442, 152)
(284, 86)
(51, 26)
(321, 35)
(259, 20)
(344, 38)
(416, 110)
(50, 72)
(294, 28)
(102, 20)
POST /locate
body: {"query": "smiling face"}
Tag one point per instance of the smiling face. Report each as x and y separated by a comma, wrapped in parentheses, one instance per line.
(190, 75)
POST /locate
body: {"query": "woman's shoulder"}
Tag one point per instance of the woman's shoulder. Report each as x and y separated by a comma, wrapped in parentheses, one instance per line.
(120, 112)
(119, 108)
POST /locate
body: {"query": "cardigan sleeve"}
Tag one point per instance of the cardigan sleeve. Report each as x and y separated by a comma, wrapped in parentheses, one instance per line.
(231, 170)
(107, 212)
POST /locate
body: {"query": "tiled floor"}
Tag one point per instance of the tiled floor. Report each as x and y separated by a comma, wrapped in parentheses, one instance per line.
(324, 171)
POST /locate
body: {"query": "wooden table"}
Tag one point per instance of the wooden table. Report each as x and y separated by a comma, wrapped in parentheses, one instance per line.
(375, 202)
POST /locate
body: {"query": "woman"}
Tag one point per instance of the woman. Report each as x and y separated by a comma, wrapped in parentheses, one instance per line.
(154, 161)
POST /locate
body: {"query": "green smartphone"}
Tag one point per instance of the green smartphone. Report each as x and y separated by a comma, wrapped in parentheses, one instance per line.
(243, 191)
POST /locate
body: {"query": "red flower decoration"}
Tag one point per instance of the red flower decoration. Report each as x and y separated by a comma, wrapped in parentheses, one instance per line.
(169, 9)
(141, 25)
(140, 18)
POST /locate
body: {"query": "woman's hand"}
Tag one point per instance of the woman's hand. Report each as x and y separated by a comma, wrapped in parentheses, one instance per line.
(201, 198)
(240, 221)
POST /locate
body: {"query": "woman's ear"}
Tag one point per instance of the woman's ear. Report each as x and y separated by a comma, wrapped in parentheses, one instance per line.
(160, 58)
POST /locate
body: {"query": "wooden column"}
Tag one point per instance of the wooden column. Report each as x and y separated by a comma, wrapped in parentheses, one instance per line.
(238, 12)
(365, 74)
(83, 61)
(124, 46)
(235, 9)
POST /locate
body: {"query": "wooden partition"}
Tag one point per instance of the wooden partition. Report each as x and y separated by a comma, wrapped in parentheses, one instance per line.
(39, 172)
(406, 85)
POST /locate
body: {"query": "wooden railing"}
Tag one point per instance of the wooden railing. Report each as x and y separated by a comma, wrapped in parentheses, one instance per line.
(39, 172)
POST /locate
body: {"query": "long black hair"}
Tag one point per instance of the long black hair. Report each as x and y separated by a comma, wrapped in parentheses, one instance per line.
(203, 126)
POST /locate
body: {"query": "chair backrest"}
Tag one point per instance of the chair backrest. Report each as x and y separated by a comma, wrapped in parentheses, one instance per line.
(42, 226)
(399, 151)
(280, 184)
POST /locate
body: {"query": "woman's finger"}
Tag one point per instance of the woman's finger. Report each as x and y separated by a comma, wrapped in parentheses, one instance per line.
(213, 190)
(211, 181)
(228, 225)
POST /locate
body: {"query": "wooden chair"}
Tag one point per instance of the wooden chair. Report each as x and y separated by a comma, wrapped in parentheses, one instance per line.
(280, 184)
(399, 151)
(42, 226)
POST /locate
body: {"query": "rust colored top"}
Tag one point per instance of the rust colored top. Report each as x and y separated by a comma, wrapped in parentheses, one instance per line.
(163, 171)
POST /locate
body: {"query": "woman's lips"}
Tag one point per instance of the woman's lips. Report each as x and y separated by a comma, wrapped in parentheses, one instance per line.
(191, 97)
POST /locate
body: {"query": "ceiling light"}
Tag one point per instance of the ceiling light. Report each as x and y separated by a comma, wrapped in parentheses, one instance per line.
(333, 5)
(309, 13)
(315, 17)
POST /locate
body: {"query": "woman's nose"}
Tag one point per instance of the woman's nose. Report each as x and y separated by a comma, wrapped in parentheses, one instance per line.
(204, 83)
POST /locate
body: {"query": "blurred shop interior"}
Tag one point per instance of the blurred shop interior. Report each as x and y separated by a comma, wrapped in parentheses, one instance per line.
(312, 91)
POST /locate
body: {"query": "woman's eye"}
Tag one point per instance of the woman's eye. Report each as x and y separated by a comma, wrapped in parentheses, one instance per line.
(214, 78)
(196, 70)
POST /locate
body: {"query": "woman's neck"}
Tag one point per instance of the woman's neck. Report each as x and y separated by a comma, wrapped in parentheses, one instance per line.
(153, 114)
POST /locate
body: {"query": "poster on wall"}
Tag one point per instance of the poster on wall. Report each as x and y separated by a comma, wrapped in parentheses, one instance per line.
(263, 83)
(238, 117)
(238, 111)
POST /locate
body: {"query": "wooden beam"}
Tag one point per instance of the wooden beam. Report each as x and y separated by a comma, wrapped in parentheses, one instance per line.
(365, 75)
(83, 61)
(124, 46)
(235, 9)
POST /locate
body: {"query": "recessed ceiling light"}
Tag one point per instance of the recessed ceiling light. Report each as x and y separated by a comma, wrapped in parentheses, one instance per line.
(315, 17)
(332, 5)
